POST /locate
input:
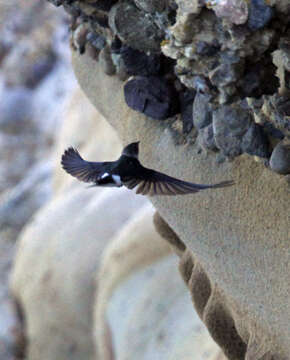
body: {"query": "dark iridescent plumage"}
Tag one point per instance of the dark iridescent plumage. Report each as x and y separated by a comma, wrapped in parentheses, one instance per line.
(128, 171)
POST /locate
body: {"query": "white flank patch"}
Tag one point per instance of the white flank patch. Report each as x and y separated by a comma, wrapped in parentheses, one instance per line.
(117, 180)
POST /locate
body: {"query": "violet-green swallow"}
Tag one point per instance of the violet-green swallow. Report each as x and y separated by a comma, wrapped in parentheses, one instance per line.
(128, 171)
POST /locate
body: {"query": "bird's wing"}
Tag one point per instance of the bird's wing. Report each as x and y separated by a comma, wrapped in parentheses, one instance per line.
(76, 166)
(156, 183)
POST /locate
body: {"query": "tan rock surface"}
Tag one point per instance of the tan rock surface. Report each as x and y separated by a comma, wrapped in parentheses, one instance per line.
(143, 310)
(136, 246)
(240, 235)
(58, 254)
(62, 248)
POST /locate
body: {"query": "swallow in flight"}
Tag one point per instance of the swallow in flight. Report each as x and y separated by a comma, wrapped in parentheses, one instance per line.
(128, 171)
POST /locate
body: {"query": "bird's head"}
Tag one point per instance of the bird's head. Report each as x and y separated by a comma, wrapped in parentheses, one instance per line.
(131, 150)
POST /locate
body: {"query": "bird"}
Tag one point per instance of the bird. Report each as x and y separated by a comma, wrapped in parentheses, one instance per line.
(129, 172)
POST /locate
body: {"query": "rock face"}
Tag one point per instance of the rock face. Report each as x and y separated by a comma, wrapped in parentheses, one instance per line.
(125, 304)
(89, 253)
(222, 52)
(237, 234)
(233, 56)
(55, 292)
(52, 272)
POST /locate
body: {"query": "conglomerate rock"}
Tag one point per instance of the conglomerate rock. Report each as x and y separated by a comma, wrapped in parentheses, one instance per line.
(221, 51)
(237, 234)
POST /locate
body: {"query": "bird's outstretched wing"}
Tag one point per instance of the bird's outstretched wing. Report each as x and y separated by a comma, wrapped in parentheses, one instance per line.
(76, 166)
(156, 183)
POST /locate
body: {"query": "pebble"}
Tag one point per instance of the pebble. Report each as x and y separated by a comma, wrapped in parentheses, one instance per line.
(236, 11)
(225, 74)
(202, 110)
(255, 142)
(230, 123)
(125, 18)
(138, 63)
(153, 96)
(259, 14)
(96, 40)
(206, 138)
(186, 99)
(280, 159)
